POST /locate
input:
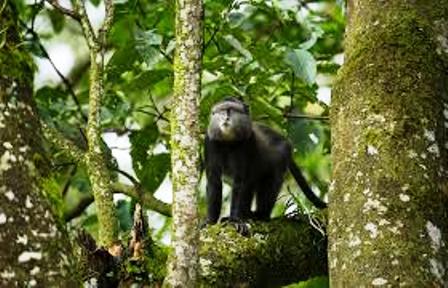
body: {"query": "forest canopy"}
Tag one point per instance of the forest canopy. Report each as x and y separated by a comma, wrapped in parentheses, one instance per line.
(104, 107)
(280, 57)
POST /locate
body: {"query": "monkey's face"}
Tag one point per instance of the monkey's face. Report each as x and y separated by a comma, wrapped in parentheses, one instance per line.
(229, 121)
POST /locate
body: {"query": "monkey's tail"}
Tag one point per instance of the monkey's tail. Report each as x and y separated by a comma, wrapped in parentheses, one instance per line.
(298, 176)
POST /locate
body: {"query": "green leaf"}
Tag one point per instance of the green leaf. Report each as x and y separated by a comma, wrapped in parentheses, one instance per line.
(153, 171)
(90, 224)
(95, 2)
(142, 141)
(121, 61)
(149, 78)
(299, 131)
(303, 64)
(148, 38)
(57, 20)
(124, 215)
(147, 45)
(122, 32)
(310, 42)
(261, 107)
(235, 43)
(149, 168)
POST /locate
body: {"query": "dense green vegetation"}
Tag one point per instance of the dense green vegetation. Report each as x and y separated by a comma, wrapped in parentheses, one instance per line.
(279, 56)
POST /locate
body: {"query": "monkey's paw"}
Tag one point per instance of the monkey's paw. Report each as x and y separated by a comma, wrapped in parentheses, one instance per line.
(206, 223)
(241, 227)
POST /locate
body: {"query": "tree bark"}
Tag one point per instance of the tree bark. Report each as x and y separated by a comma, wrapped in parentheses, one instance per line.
(33, 249)
(388, 220)
(99, 176)
(183, 264)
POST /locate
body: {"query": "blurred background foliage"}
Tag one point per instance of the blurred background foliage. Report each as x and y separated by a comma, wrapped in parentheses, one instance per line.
(280, 56)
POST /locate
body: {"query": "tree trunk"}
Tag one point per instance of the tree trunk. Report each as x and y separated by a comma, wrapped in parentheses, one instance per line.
(33, 251)
(388, 220)
(183, 265)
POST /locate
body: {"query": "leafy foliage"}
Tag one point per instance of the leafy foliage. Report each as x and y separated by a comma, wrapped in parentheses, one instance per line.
(272, 54)
(150, 168)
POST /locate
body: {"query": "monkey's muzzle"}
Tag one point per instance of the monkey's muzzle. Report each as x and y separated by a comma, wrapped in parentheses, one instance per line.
(227, 132)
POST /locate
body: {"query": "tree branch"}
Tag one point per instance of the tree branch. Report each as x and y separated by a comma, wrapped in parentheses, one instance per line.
(137, 191)
(279, 252)
(148, 201)
(147, 198)
(310, 117)
(108, 20)
(63, 10)
(68, 147)
(79, 208)
(86, 26)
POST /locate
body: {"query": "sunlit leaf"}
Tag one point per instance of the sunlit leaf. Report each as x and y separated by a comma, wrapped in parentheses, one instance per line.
(303, 64)
(57, 20)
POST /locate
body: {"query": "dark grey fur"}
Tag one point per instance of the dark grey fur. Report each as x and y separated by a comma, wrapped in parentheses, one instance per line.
(254, 156)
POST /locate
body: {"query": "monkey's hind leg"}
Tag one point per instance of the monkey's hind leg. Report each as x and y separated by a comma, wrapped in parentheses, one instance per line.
(266, 195)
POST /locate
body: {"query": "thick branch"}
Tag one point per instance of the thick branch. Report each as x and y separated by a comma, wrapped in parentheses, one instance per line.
(77, 155)
(95, 159)
(69, 148)
(278, 252)
(147, 200)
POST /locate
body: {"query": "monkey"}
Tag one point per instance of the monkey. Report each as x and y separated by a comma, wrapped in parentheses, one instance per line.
(254, 156)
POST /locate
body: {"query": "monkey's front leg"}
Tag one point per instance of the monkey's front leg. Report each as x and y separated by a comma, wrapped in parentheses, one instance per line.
(242, 195)
(214, 196)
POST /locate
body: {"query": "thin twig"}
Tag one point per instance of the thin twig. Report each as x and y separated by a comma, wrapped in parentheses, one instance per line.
(108, 20)
(293, 78)
(148, 200)
(71, 172)
(64, 80)
(129, 176)
(79, 208)
(231, 6)
(309, 117)
(158, 112)
(167, 57)
(72, 14)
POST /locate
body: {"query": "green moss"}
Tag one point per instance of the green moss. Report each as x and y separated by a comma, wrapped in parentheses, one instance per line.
(150, 269)
(386, 98)
(231, 260)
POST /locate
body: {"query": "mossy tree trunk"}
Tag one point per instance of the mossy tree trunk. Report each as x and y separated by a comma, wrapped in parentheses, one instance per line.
(388, 220)
(183, 264)
(33, 251)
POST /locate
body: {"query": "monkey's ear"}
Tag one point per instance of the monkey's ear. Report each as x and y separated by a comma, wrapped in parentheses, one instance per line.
(231, 99)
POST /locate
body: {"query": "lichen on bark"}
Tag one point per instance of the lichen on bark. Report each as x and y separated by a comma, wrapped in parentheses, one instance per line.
(182, 271)
(96, 163)
(387, 197)
(33, 249)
